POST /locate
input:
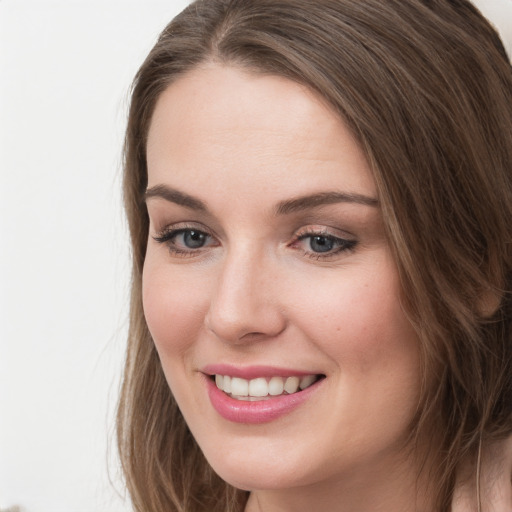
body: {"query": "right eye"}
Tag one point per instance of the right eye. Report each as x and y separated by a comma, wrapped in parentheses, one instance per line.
(185, 241)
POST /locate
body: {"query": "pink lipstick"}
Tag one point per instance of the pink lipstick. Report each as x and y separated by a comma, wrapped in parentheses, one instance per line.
(258, 394)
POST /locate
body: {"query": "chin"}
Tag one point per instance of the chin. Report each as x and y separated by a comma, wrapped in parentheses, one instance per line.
(253, 479)
(263, 468)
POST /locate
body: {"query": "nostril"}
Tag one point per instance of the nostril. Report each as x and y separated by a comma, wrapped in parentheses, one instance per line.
(253, 336)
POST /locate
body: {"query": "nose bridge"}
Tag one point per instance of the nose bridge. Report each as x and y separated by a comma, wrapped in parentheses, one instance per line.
(243, 305)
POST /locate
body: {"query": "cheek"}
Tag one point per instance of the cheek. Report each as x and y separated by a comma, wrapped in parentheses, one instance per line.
(174, 307)
(359, 322)
(381, 333)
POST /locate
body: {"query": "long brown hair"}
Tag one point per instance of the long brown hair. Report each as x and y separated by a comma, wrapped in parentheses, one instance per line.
(426, 87)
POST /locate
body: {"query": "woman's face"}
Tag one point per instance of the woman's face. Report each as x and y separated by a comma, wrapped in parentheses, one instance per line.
(267, 265)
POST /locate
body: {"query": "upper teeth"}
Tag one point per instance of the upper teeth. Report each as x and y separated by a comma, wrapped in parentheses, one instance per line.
(261, 387)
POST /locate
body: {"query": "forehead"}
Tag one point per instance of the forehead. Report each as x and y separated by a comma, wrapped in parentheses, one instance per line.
(227, 94)
(219, 121)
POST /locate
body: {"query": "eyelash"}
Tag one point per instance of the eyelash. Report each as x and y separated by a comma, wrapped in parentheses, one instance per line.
(343, 244)
(168, 236)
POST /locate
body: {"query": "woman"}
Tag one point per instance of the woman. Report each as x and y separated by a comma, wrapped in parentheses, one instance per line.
(319, 195)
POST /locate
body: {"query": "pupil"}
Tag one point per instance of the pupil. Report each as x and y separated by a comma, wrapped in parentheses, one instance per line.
(321, 244)
(194, 239)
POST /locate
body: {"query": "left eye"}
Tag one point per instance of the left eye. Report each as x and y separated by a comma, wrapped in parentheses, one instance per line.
(318, 244)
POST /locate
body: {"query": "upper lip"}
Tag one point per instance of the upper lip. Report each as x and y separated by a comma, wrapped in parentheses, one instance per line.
(252, 372)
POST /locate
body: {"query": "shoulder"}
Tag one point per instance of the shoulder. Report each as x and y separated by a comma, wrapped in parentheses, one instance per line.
(495, 482)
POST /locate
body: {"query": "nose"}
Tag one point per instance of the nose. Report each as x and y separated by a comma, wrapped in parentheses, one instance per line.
(245, 304)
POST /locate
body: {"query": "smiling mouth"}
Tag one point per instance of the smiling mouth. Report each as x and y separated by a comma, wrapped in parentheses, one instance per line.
(262, 388)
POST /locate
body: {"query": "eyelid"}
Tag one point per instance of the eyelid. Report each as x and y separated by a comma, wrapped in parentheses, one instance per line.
(318, 229)
(166, 235)
(345, 243)
(179, 226)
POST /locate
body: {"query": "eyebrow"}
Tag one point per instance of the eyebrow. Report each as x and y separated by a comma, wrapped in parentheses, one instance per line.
(323, 198)
(175, 196)
(283, 208)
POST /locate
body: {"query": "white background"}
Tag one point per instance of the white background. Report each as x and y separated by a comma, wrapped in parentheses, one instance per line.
(65, 72)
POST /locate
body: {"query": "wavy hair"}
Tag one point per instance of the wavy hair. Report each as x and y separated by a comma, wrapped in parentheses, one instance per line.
(426, 88)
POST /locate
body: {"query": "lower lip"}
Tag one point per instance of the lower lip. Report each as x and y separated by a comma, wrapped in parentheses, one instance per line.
(260, 411)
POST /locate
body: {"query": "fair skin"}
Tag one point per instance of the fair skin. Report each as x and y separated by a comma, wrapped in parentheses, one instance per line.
(242, 271)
